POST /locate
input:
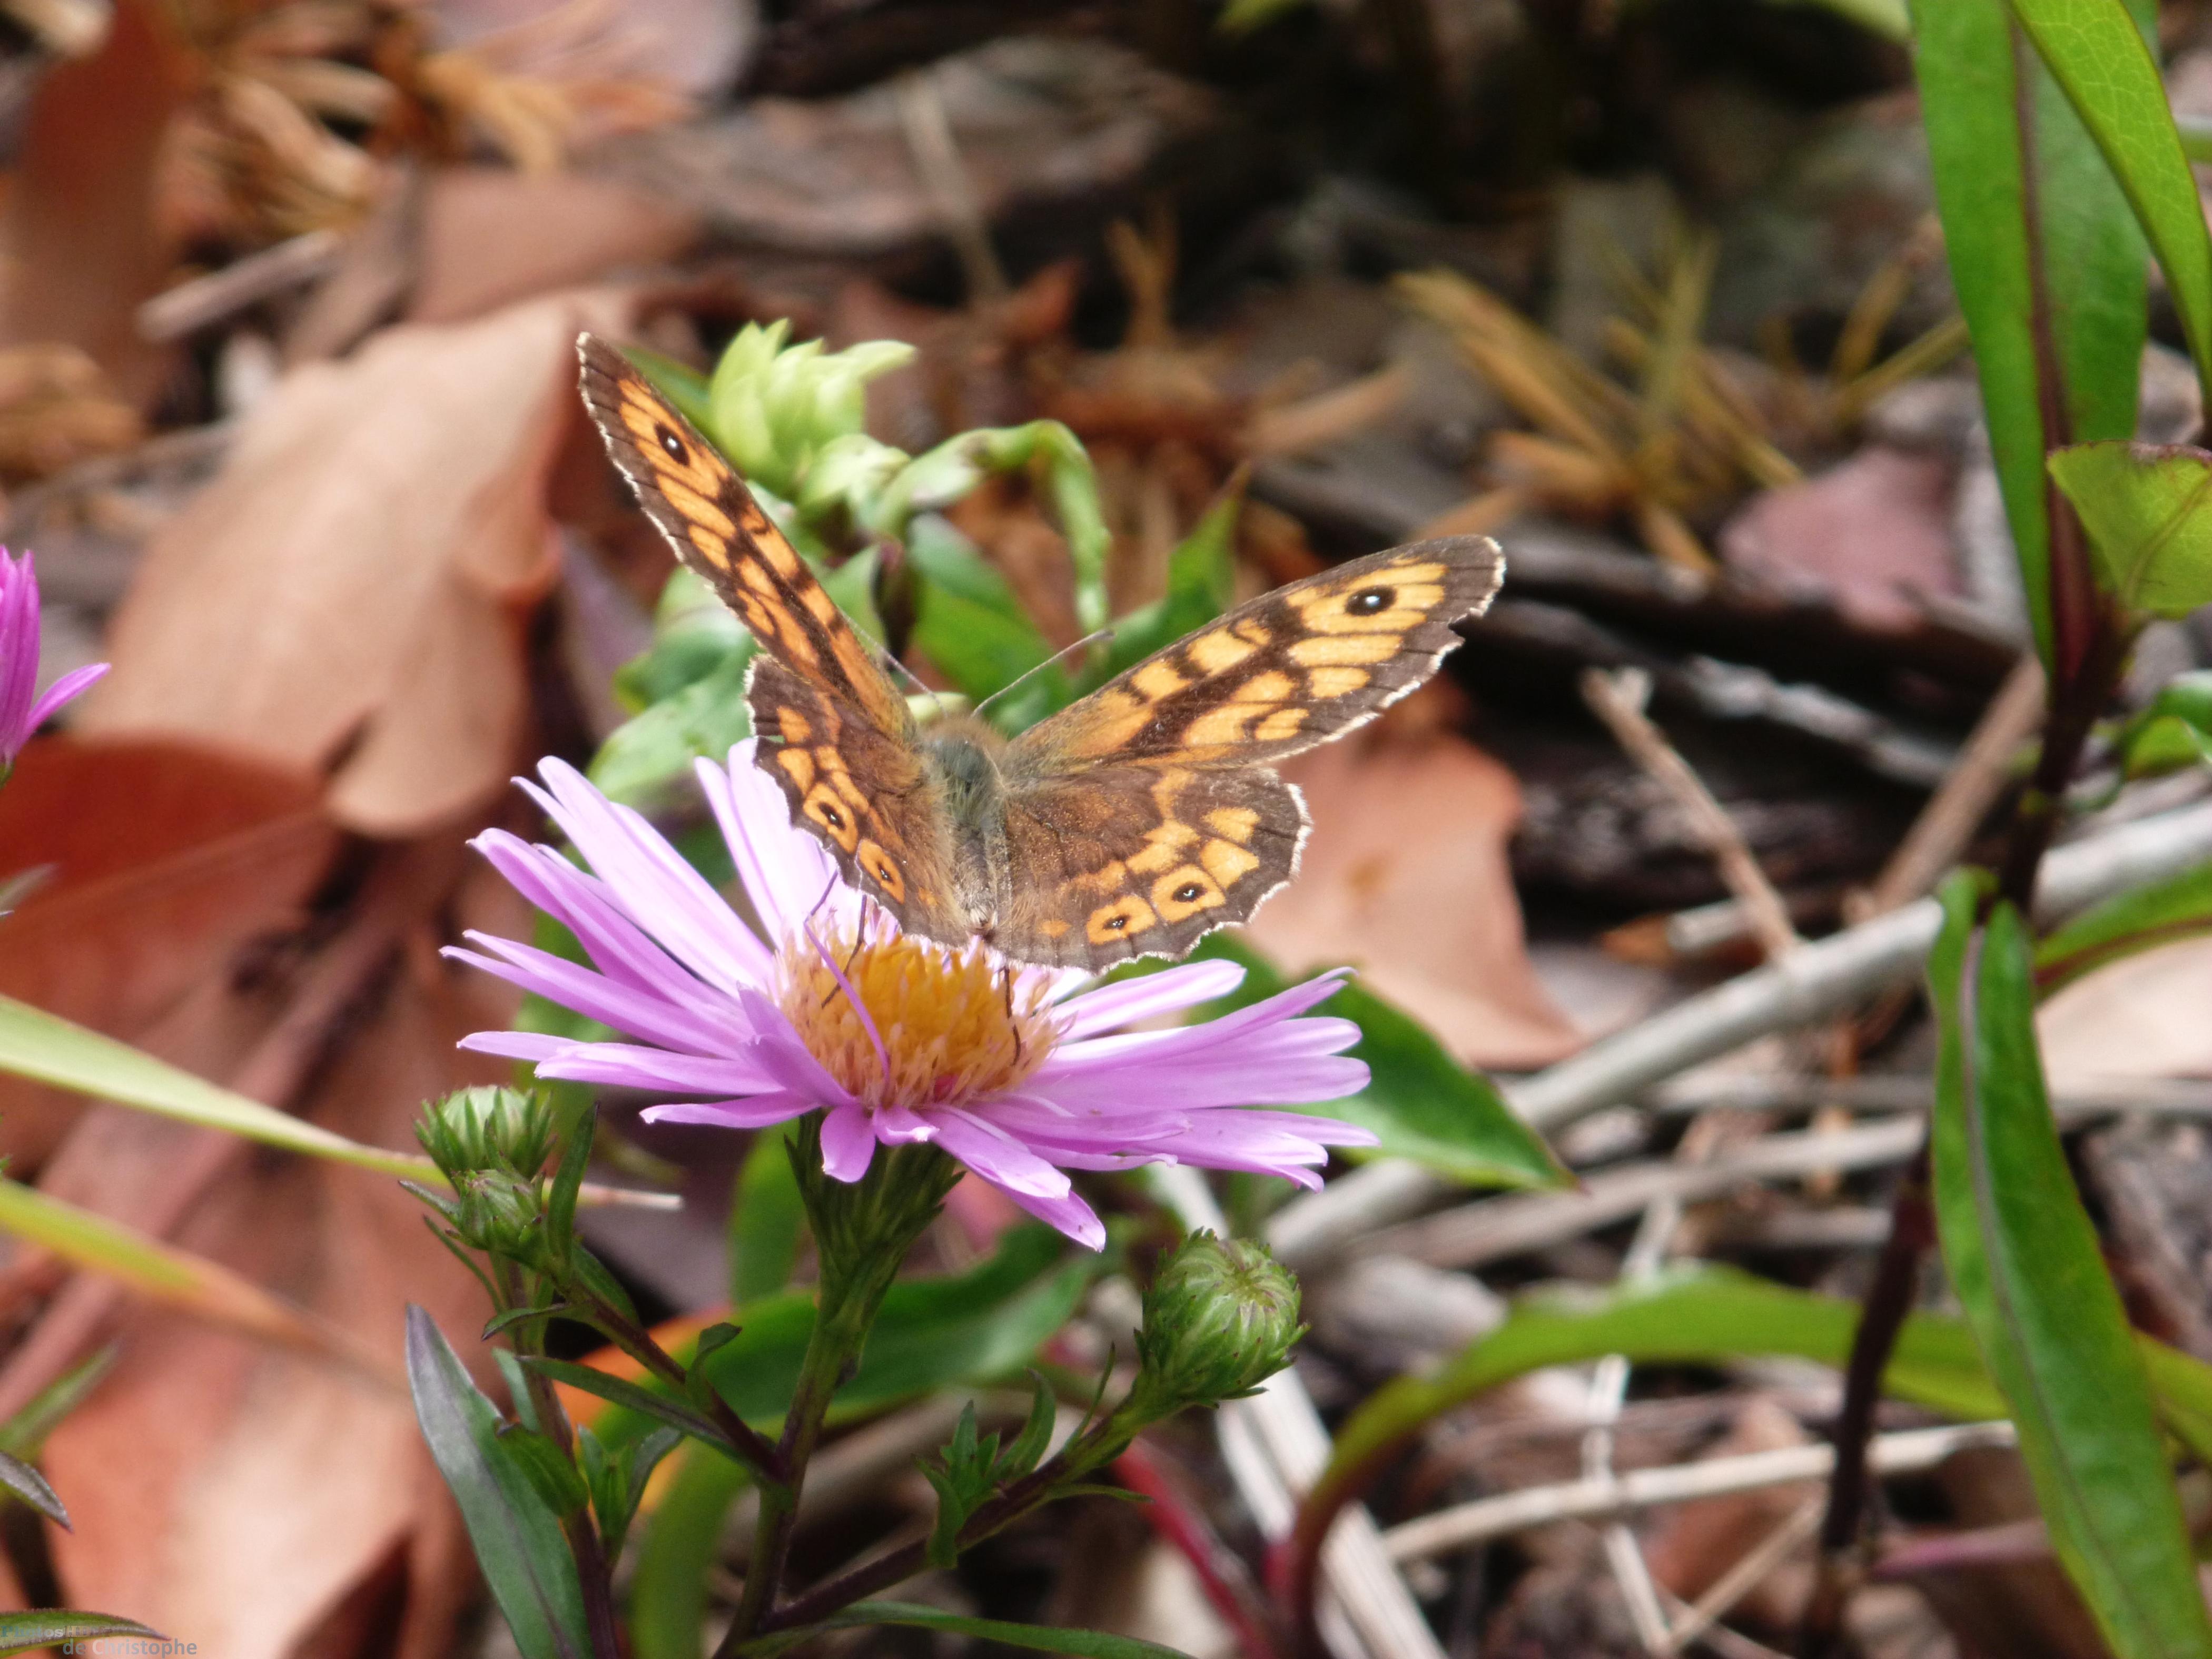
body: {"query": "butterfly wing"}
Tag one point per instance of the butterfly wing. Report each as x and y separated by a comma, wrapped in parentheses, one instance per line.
(1121, 861)
(836, 734)
(1147, 814)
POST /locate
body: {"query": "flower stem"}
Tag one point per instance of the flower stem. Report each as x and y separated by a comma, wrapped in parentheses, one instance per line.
(593, 1573)
(1088, 1451)
(637, 1342)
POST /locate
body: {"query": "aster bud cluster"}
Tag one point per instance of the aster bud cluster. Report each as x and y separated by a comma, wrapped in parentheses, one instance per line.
(786, 413)
(491, 1144)
(1220, 1319)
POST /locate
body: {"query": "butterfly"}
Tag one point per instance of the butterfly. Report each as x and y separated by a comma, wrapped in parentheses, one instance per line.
(1132, 822)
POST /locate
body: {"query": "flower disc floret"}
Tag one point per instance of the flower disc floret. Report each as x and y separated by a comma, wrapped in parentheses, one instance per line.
(899, 1020)
(1021, 1074)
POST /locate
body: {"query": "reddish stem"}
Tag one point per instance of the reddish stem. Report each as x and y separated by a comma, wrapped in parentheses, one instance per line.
(1221, 1575)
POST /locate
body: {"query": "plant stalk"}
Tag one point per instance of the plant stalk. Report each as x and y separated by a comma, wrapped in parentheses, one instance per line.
(594, 1573)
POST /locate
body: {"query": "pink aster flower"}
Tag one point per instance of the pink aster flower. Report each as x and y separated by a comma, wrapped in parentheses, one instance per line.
(22, 712)
(1022, 1073)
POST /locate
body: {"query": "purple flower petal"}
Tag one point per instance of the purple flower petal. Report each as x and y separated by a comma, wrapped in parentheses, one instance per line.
(785, 871)
(532, 1046)
(1067, 1214)
(634, 1013)
(755, 1113)
(847, 1142)
(1168, 992)
(631, 1065)
(69, 685)
(666, 896)
(996, 1155)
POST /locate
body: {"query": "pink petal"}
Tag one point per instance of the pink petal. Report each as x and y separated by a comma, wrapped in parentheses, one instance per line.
(76, 680)
(1168, 992)
(755, 1113)
(996, 1155)
(1068, 1213)
(847, 1142)
(628, 1066)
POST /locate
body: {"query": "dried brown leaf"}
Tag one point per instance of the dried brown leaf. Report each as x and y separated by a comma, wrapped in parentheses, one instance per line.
(349, 593)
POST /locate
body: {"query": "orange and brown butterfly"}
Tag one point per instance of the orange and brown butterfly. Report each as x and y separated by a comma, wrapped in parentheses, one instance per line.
(1130, 823)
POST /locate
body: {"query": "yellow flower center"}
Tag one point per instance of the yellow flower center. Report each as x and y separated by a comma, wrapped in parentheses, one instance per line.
(953, 1026)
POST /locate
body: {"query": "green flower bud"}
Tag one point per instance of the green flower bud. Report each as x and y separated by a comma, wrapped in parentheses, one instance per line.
(498, 1211)
(1219, 1320)
(506, 1130)
(775, 408)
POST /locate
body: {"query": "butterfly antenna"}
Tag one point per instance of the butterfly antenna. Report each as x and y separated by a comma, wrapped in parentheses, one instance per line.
(1091, 638)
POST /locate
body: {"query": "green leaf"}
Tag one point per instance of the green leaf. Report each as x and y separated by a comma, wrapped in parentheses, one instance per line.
(1201, 585)
(568, 1182)
(2022, 1255)
(970, 625)
(669, 1596)
(2178, 908)
(1088, 1643)
(23, 1434)
(37, 1044)
(1693, 1316)
(548, 1468)
(632, 1397)
(2148, 511)
(517, 1539)
(2174, 731)
(933, 1333)
(1420, 1103)
(22, 1632)
(2048, 267)
(2102, 57)
(767, 1219)
(27, 1484)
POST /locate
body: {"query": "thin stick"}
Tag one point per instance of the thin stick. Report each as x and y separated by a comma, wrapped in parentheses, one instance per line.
(1519, 1223)
(1374, 1612)
(1809, 984)
(1956, 810)
(951, 193)
(1465, 1525)
(1732, 1586)
(1618, 700)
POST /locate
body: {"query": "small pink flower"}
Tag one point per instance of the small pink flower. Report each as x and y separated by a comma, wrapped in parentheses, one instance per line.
(22, 712)
(1020, 1073)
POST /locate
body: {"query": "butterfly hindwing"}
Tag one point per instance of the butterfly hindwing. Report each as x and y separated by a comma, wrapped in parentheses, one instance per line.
(1127, 861)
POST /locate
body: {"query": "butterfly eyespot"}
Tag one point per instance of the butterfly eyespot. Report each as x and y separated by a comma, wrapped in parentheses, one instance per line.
(1116, 923)
(1188, 892)
(833, 817)
(672, 444)
(1368, 601)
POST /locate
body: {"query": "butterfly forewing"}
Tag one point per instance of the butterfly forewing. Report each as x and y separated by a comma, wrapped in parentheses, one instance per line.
(1292, 668)
(717, 529)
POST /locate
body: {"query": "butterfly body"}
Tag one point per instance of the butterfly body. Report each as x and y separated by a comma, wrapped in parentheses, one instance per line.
(1131, 823)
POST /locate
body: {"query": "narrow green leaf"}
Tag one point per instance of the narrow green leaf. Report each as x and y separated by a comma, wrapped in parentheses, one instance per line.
(2023, 1257)
(1420, 1103)
(618, 1391)
(2102, 57)
(2148, 508)
(22, 1632)
(1043, 1639)
(767, 1219)
(568, 1182)
(37, 1044)
(517, 1539)
(669, 1594)
(2178, 908)
(547, 1467)
(2048, 268)
(1028, 1445)
(27, 1484)
(23, 1434)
